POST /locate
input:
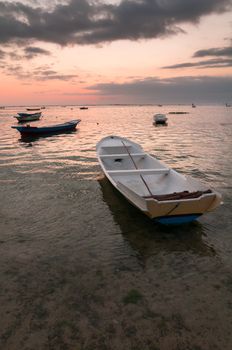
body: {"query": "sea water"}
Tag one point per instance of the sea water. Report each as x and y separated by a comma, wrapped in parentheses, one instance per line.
(81, 268)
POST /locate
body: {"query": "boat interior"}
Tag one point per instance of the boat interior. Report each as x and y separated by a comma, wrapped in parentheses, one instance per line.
(144, 174)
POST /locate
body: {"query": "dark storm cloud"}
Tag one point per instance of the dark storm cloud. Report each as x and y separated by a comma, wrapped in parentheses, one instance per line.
(225, 51)
(182, 89)
(32, 51)
(86, 22)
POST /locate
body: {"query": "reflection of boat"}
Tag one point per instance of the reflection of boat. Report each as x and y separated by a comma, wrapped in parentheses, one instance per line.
(33, 130)
(26, 117)
(160, 119)
(139, 231)
(158, 191)
(83, 107)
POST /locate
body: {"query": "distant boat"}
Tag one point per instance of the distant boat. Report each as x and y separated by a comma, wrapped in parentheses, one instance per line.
(178, 113)
(43, 107)
(2, 107)
(228, 105)
(158, 191)
(34, 109)
(193, 105)
(159, 105)
(58, 128)
(160, 119)
(83, 107)
(27, 117)
(24, 114)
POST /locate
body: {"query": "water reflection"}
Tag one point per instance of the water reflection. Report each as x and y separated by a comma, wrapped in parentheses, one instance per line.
(148, 238)
(33, 138)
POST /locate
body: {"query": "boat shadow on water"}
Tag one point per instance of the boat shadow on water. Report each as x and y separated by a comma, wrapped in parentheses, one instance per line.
(148, 237)
(32, 138)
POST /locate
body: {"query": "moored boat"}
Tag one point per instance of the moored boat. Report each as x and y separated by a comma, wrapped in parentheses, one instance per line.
(83, 107)
(26, 117)
(33, 109)
(160, 119)
(58, 128)
(160, 192)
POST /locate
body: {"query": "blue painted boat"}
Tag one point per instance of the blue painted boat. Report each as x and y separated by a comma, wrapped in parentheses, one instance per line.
(58, 128)
(160, 192)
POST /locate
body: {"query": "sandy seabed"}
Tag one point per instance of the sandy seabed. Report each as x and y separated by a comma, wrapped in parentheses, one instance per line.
(79, 270)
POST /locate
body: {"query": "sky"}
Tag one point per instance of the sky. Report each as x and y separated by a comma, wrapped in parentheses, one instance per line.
(111, 52)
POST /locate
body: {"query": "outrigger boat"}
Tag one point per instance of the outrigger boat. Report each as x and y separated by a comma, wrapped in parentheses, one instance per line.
(34, 130)
(158, 191)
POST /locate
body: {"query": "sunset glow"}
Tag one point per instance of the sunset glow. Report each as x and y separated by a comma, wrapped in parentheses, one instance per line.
(78, 52)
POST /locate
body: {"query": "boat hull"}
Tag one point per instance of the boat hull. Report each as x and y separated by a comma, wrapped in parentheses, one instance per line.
(31, 118)
(161, 193)
(177, 219)
(30, 130)
(160, 119)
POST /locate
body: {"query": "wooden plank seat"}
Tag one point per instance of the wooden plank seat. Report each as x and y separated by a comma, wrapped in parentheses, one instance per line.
(116, 149)
(139, 171)
(178, 195)
(121, 155)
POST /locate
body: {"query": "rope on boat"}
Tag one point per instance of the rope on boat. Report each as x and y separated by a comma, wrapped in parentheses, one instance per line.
(137, 168)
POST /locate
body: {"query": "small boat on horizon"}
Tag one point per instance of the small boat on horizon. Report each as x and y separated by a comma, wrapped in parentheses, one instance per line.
(160, 119)
(178, 113)
(84, 107)
(27, 117)
(193, 105)
(57, 128)
(33, 109)
(160, 192)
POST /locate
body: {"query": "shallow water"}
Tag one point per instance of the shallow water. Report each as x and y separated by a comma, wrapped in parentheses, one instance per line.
(72, 248)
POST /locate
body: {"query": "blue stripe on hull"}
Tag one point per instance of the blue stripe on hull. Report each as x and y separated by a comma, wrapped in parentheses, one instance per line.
(178, 219)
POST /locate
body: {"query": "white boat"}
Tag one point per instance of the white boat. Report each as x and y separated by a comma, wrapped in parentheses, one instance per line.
(26, 117)
(160, 119)
(157, 190)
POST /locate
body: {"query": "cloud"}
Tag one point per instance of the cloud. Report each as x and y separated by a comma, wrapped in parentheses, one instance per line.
(2, 54)
(225, 51)
(172, 90)
(224, 59)
(95, 22)
(213, 63)
(42, 73)
(32, 51)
